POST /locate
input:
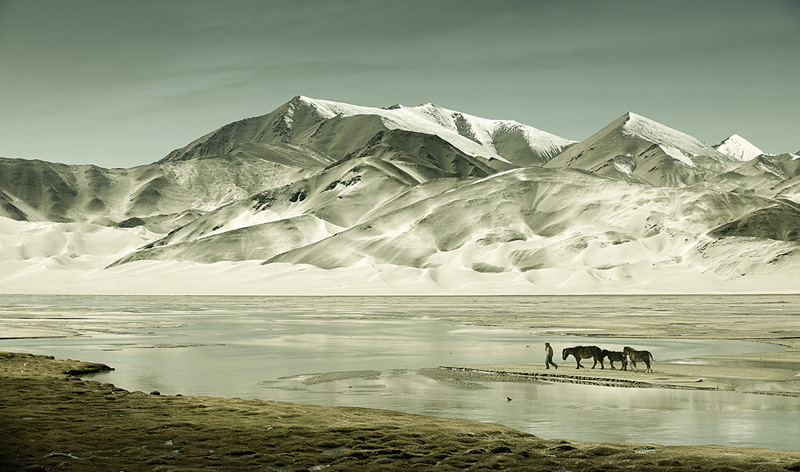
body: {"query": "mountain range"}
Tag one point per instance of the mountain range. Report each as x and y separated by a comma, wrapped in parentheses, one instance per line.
(325, 197)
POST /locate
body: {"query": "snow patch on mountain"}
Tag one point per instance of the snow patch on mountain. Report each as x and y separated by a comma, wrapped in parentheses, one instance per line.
(739, 148)
(676, 154)
(288, 117)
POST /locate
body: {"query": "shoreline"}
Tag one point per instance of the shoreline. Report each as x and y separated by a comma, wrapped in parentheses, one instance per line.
(43, 408)
(54, 420)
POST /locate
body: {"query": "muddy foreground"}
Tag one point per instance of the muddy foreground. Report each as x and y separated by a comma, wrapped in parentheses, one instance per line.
(52, 420)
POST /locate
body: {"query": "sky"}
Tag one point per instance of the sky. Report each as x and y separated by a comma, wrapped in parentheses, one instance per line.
(120, 83)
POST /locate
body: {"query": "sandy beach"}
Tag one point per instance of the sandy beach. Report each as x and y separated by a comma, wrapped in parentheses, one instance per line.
(55, 421)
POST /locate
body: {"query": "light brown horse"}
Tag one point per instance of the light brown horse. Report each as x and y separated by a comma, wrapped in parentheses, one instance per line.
(635, 356)
(584, 352)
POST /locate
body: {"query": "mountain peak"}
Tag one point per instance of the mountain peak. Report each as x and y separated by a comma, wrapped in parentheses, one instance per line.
(314, 131)
(629, 115)
(739, 148)
(479, 137)
(655, 132)
(642, 149)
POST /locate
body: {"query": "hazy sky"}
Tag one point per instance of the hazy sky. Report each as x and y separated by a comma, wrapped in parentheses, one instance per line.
(122, 83)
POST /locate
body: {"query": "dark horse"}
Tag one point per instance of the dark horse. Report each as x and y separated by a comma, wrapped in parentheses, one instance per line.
(616, 356)
(584, 352)
(636, 356)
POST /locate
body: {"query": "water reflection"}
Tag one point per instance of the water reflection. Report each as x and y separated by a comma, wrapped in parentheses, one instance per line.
(256, 348)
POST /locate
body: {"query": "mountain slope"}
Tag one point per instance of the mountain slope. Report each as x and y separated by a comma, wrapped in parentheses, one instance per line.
(536, 219)
(162, 196)
(775, 176)
(638, 149)
(336, 198)
(306, 132)
(780, 222)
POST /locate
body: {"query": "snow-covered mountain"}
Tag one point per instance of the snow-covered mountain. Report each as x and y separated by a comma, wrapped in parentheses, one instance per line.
(306, 131)
(636, 148)
(739, 148)
(319, 196)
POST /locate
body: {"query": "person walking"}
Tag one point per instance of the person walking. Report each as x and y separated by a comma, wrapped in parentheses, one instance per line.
(548, 353)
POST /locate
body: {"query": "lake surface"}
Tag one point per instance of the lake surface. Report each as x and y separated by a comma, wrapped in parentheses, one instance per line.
(308, 350)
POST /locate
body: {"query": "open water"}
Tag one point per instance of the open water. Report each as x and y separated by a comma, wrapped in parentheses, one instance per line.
(372, 352)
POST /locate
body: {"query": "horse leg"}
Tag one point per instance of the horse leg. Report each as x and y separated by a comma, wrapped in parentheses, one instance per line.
(578, 360)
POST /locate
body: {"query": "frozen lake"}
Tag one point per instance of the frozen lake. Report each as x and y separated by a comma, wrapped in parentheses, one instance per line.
(373, 352)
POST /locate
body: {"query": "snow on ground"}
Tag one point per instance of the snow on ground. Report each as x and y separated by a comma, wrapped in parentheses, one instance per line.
(69, 258)
(251, 278)
(64, 245)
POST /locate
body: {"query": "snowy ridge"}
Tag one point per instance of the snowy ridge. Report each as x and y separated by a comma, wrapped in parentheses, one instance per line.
(655, 132)
(536, 138)
(471, 134)
(739, 148)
